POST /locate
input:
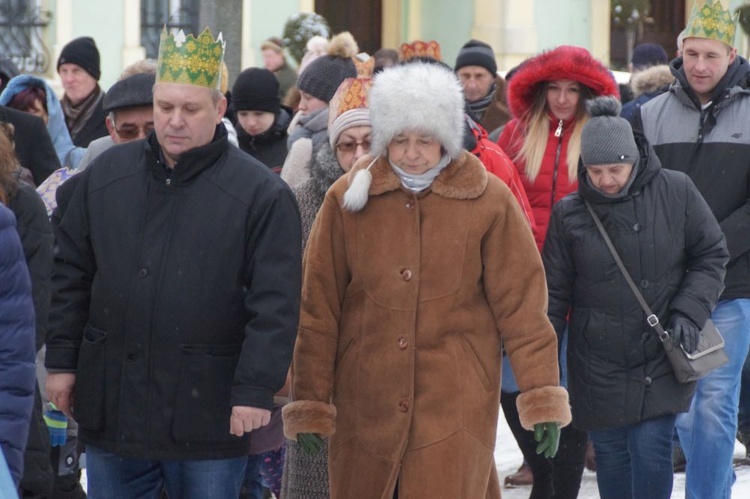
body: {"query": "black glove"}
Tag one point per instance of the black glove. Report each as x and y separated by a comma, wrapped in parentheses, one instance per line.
(685, 332)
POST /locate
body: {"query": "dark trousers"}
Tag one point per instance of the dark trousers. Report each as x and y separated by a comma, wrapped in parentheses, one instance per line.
(556, 478)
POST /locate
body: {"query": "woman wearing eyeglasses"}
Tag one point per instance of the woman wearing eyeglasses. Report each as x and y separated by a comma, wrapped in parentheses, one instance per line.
(419, 264)
(306, 475)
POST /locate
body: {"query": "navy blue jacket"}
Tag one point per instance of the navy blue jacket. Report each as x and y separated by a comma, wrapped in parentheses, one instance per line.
(17, 371)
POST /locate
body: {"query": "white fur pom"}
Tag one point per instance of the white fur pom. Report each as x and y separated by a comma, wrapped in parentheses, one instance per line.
(355, 197)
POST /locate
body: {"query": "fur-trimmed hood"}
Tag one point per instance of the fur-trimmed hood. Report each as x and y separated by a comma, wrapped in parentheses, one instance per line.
(419, 97)
(650, 80)
(463, 178)
(565, 62)
(324, 170)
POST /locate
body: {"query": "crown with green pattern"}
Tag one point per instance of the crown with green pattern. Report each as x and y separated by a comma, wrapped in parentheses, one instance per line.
(710, 19)
(190, 60)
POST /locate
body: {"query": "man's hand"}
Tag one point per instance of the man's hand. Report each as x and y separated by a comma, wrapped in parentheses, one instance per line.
(247, 419)
(60, 391)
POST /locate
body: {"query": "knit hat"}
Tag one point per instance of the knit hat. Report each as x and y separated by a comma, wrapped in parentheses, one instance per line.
(606, 138)
(135, 90)
(349, 107)
(421, 97)
(711, 19)
(648, 54)
(81, 52)
(273, 43)
(323, 76)
(476, 53)
(256, 89)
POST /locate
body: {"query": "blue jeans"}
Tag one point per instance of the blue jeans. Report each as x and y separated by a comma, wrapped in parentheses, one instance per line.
(114, 477)
(635, 461)
(743, 417)
(707, 432)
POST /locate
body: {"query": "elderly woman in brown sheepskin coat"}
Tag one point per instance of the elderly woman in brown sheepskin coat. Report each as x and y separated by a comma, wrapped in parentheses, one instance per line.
(419, 270)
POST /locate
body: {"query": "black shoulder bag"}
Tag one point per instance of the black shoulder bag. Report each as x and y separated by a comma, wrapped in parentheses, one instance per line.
(687, 367)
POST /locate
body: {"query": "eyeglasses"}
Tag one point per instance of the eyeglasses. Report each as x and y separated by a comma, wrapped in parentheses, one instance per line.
(131, 132)
(350, 147)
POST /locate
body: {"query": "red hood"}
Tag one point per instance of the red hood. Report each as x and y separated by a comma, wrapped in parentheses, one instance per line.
(563, 63)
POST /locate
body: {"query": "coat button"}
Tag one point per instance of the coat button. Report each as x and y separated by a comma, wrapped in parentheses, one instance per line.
(402, 342)
(404, 405)
(410, 205)
(131, 357)
(406, 274)
(644, 337)
(648, 380)
(644, 283)
(143, 273)
(637, 228)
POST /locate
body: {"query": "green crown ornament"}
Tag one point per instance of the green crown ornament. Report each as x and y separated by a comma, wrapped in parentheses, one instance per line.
(190, 60)
(711, 20)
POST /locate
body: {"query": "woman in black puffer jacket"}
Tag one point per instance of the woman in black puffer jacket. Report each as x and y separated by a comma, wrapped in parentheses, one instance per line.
(622, 387)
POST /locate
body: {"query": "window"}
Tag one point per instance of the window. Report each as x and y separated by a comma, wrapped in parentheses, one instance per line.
(21, 24)
(175, 14)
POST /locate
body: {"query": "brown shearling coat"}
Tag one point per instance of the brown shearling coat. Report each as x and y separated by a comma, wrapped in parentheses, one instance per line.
(405, 304)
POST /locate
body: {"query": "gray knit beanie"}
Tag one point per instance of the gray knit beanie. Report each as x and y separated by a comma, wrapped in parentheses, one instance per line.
(606, 138)
(476, 53)
(324, 75)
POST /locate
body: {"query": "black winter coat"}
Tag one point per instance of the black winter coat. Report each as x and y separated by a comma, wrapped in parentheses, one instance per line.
(673, 248)
(268, 147)
(34, 147)
(175, 297)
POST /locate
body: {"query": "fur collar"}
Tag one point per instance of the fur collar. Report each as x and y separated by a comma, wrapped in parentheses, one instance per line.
(463, 178)
(324, 170)
(651, 80)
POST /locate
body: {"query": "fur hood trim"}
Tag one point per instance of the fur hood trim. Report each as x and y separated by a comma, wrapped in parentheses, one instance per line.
(563, 63)
(324, 170)
(650, 80)
(463, 178)
(421, 97)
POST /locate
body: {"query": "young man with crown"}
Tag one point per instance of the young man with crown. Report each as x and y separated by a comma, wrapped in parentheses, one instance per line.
(701, 127)
(176, 295)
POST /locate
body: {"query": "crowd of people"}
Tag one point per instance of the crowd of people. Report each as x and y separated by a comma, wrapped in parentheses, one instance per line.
(326, 281)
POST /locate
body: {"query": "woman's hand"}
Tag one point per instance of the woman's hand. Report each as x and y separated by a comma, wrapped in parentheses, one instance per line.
(685, 332)
(548, 436)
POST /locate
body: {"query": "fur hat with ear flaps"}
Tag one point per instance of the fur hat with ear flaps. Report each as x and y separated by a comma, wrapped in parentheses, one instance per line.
(414, 97)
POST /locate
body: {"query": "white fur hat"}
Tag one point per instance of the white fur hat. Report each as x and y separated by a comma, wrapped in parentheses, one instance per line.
(421, 97)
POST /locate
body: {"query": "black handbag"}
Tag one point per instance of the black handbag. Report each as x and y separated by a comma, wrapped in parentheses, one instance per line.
(687, 367)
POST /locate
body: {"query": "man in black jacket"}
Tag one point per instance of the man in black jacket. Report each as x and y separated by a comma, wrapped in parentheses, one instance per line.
(175, 295)
(700, 127)
(34, 147)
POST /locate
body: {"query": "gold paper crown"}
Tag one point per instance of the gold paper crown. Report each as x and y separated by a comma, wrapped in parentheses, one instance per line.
(711, 20)
(419, 49)
(190, 60)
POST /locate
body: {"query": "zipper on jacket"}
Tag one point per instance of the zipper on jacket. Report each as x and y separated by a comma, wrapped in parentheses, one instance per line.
(558, 134)
(701, 122)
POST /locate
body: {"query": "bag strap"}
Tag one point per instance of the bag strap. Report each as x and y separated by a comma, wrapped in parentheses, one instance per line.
(652, 319)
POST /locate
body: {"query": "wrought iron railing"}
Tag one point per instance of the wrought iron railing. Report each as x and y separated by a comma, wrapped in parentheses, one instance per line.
(21, 40)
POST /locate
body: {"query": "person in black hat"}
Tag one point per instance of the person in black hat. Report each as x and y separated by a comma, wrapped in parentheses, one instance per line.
(484, 89)
(262, 121)
(79, 70)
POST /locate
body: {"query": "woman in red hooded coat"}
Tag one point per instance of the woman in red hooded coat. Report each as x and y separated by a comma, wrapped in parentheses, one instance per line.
(547, 96)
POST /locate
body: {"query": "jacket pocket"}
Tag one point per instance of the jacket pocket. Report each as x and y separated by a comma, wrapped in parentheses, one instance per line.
(202, 406)
(471, 355)
(88, 393)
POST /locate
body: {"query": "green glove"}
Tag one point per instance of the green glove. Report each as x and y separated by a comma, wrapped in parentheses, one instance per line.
(548, 436)
(310, 442)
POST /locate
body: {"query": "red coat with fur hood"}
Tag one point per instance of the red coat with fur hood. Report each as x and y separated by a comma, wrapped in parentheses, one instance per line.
(552, 183)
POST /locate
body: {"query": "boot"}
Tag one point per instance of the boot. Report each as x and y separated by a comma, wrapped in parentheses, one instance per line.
(521, 477)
